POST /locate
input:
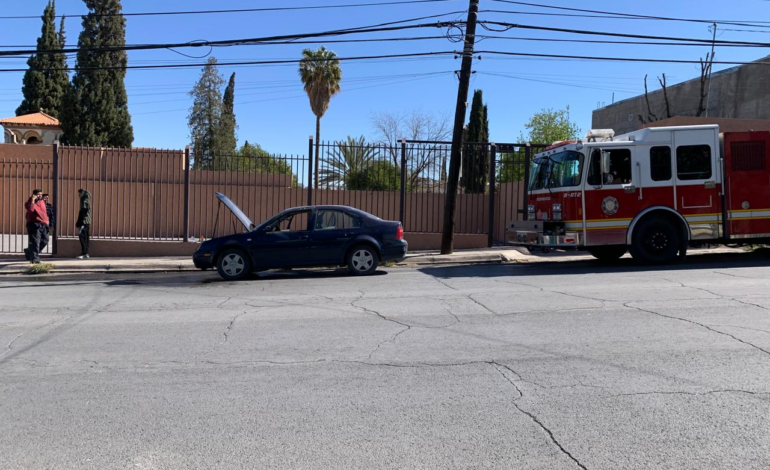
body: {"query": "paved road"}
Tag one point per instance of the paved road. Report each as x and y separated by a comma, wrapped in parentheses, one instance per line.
(549, 366)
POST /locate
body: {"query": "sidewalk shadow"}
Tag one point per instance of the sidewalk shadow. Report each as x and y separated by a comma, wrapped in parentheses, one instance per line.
(625, 265)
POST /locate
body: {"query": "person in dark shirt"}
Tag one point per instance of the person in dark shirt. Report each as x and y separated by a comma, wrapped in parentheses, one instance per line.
(51, 213)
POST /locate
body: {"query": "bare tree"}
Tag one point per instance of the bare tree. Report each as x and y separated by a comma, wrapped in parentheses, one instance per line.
(651, 117)
(390, 128)
(665, 95)
(705, 74)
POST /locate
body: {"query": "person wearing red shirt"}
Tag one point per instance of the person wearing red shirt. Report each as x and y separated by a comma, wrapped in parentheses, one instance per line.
(37, 226)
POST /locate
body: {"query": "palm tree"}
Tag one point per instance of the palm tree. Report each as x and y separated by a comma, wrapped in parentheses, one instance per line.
(348, 162)
(321, 75)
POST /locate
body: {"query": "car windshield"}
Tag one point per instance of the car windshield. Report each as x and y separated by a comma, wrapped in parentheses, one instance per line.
(556, 171)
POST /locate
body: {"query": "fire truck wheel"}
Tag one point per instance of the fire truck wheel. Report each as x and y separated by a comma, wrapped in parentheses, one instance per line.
(655, 241)
(608, 253)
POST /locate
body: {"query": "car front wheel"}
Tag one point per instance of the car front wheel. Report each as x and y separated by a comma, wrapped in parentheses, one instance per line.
(362, 260)
(233, 265)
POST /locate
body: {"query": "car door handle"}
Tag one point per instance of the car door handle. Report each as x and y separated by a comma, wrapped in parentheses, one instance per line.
(304, 237)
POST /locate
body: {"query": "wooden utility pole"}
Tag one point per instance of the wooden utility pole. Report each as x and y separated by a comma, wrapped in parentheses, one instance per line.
(453, 180)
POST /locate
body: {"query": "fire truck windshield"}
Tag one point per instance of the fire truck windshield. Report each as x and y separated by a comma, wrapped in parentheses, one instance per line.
(560, 170)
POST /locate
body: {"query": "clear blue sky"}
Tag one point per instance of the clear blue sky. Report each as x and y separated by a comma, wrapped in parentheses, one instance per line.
(270, 104)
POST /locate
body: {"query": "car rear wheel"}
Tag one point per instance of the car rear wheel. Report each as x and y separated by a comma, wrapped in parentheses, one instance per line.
(233, 265)
(655, 241)
(362, 260)
(608, 253)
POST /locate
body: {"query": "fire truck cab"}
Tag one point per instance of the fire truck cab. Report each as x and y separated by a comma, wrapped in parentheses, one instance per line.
(653, 192)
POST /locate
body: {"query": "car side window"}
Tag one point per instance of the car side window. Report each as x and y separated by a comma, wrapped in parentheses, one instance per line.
(335, 220)
(294, 222)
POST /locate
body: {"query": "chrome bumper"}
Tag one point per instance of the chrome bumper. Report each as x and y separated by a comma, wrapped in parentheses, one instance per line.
(530, 234)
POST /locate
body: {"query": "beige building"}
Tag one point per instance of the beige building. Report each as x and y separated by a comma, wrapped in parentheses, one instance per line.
(31, 129)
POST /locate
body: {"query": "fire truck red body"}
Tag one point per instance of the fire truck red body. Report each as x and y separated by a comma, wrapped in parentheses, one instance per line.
(653, 192)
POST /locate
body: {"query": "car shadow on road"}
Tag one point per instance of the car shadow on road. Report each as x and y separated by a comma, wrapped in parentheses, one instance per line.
(626, 265)
(296, 274)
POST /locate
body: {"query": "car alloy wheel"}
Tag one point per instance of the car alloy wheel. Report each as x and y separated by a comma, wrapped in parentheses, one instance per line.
(233, 264)
(362, 260)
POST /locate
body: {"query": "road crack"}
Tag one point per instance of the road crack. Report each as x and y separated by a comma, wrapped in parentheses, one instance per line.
(500, 368)
(627, 305)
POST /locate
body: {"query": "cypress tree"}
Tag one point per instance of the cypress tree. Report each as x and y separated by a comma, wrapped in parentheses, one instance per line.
(205, 114)
(476, 158)
(96, 109)
(226, 141)
(46, 82)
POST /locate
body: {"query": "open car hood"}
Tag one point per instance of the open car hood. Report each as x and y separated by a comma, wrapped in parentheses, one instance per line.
(237, 212)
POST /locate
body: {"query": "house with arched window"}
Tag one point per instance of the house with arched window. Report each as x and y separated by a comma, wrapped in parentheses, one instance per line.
(31, 129)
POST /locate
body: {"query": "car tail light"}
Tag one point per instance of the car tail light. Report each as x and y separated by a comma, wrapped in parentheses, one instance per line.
(400, 233)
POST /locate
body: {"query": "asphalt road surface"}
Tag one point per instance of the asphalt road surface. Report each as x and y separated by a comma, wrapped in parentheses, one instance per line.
(547, 366)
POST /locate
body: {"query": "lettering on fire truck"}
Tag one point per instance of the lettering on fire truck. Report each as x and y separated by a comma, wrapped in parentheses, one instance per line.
(653, 192)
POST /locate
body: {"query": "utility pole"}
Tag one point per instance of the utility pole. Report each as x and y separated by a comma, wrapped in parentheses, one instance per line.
(453, 180)
(713, 44)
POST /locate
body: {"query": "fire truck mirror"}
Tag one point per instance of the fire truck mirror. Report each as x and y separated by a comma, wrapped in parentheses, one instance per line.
(605, 163)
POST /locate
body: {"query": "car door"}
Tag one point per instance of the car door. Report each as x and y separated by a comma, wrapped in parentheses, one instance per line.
(333, 232)
(285, 242)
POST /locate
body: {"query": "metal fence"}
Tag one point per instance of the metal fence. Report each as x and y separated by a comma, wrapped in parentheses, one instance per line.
(260, 183)
(408, 182)
(135, 194)
(18, 178)
(168, 195)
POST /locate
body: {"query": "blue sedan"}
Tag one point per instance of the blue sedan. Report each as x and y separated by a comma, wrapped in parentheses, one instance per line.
(313, 236)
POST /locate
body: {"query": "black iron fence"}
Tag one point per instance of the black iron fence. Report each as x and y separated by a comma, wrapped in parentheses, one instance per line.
(168, 195)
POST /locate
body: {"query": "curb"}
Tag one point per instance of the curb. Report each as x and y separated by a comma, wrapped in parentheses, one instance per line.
(444, 260)
(131, 269)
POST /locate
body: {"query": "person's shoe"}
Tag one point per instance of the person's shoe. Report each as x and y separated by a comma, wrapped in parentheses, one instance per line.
(83, 257)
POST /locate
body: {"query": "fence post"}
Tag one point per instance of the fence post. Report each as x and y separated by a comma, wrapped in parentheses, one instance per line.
(310, 171)
(492, 188)
(402, 202)
(186, 223)
(55, 238)
(527, 160)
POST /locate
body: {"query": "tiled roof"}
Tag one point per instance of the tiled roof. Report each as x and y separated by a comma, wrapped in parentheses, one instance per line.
(35, 119)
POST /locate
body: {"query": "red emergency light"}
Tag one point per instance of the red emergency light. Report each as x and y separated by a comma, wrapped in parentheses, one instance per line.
(556, 145)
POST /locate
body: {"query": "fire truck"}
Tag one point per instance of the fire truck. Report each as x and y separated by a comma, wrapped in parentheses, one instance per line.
(653, 192)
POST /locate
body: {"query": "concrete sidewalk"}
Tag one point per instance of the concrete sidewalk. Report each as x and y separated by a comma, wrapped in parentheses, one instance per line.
(17, 265)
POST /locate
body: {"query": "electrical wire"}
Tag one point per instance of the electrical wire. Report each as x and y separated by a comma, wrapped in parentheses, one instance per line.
(241, 10)
(225, 64)
(617, 59)
(641, 17)
(708, 42)
(382, 27)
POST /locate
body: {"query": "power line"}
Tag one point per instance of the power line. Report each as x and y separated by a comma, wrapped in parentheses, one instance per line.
(509, 26)
(283, 98)
(641, 17)
(382, 27)
(225, 64)
(616, 59)
(483, 37)
(241, 10)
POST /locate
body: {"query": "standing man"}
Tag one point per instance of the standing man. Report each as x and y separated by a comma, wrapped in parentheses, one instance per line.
(84, 222)
(37, 226)
(51, 213)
